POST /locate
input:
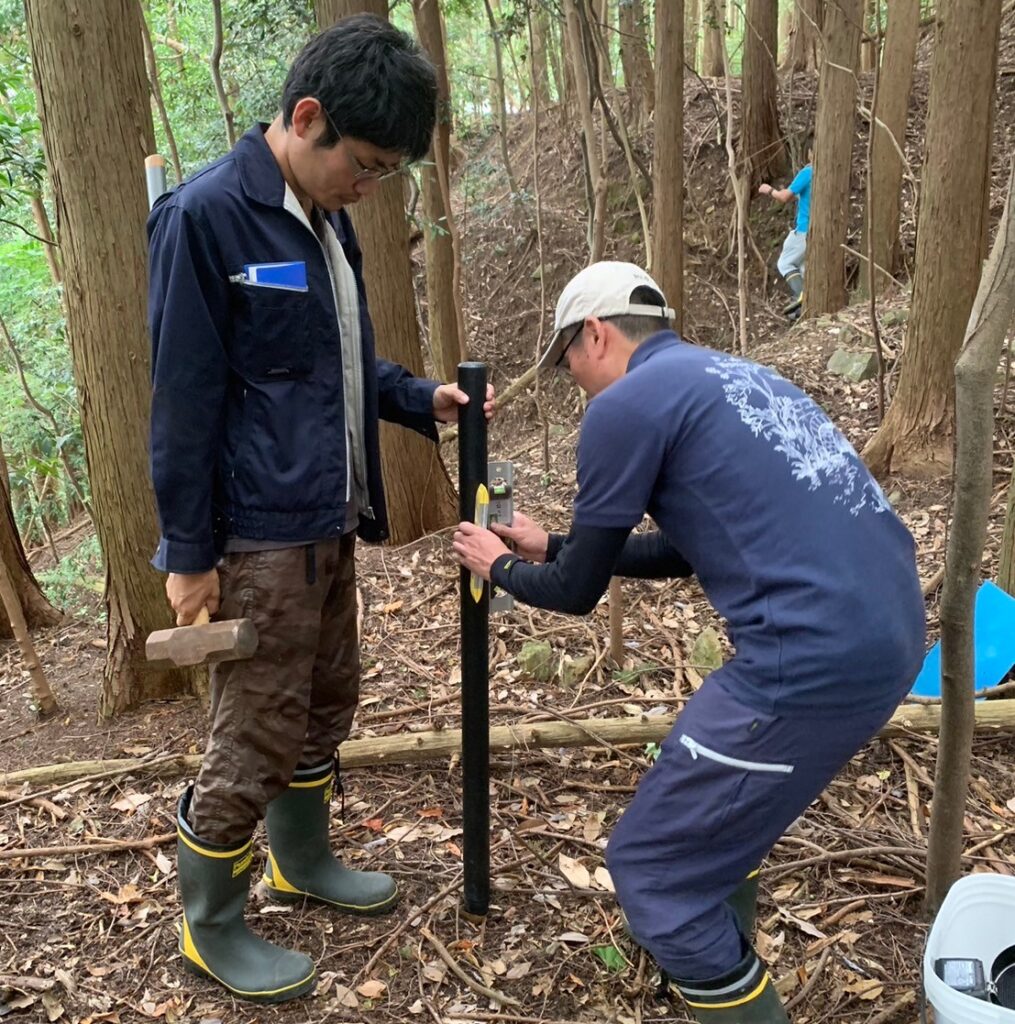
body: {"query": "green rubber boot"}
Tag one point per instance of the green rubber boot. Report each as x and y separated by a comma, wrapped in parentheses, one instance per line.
(300, 862)
(214, 940)
(745, 995)
(795, 281)
(744, 903)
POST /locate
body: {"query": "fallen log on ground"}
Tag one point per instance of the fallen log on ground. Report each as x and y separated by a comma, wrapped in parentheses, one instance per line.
(413, 747)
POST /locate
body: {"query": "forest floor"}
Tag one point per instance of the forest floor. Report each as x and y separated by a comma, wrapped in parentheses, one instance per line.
(90, 936)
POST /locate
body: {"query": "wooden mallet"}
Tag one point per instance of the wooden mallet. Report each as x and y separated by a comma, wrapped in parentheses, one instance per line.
(202, 642)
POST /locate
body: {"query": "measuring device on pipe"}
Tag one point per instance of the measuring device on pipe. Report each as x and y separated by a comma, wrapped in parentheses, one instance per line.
(494, 504)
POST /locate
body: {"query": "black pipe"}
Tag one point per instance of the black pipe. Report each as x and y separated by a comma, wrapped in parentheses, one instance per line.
(475, 616)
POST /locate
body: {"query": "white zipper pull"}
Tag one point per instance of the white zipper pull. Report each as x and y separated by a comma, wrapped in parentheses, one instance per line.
(691, 746)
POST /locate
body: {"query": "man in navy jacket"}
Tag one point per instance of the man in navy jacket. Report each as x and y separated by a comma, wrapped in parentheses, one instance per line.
(266, 464)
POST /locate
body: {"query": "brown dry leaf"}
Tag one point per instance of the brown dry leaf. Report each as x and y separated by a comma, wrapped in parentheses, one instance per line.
(157, 1010)
(804, 926)
(54, 1008)
(865, 988)
(543, 986)
(602, 877)
(845, 937)
(66, 979)
(127, 894)
(434, 972)
(860, 917)
(392, 607)
(809, 913)
(593, 826)
(788, 982)
(769, 946)
(518, 970)
(345, 996)
(786, 891)
(870, 782)
(325, 982)
(532, 823)
(19, 1002)
(130, 802)
(372, 989)
(163, 863)
(574, 871)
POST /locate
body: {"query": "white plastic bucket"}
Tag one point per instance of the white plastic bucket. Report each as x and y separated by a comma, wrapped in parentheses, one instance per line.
(976, 920)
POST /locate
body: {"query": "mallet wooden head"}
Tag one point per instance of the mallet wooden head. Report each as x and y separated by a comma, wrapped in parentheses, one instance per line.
(202, 643)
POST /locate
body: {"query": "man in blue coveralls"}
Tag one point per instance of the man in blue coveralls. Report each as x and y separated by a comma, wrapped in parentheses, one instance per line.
(758, 494)
(794, 248)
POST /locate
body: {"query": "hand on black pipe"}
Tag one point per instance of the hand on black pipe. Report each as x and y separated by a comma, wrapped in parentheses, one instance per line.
(477, 549)
(448, 397)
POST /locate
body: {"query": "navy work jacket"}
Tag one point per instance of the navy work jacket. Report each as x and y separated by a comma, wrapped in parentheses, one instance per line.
(248, 433)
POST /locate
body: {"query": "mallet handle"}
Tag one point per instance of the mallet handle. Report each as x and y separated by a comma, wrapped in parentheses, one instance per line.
(155, 177)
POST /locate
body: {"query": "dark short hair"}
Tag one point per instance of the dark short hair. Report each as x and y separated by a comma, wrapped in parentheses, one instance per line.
(637, 327)
(373, 80)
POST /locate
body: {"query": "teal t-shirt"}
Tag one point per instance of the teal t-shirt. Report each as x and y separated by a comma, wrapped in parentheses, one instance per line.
(800, 186)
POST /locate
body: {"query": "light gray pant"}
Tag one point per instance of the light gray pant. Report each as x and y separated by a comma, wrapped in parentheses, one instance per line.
(794, 251)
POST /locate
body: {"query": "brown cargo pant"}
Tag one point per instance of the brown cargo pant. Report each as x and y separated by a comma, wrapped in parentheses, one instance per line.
(293, 702)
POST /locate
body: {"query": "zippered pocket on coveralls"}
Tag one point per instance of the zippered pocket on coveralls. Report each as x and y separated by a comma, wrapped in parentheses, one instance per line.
(697, 750)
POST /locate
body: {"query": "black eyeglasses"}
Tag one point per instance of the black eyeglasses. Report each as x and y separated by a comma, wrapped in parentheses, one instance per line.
(563, 352)
(364, 173)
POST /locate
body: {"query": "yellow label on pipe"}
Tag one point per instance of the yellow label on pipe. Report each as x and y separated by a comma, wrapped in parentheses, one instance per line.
(481, 518)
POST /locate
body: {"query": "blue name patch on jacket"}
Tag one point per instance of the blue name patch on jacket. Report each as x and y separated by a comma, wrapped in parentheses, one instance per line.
(277, 275)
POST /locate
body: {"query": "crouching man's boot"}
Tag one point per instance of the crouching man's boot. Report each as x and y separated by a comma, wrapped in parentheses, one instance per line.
(214, 940)
(744, 995)
(300, 861)
(744, 903)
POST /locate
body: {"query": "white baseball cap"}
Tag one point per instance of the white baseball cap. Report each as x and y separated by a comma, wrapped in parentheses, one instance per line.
(601, 290)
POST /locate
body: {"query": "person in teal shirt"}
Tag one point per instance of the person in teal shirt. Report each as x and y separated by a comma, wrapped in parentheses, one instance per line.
(794, 248)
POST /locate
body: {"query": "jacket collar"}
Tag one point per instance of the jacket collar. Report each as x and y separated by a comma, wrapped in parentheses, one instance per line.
(261, 177)
(651, 345)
